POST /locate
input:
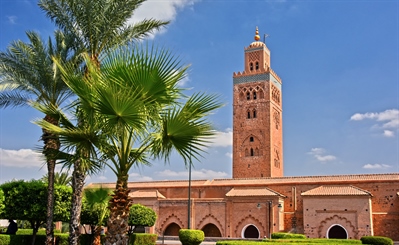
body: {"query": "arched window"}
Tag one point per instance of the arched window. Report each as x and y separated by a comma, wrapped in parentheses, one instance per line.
(254, 95)
(251, 139)
(248, 96)
(252, 152)
(257, 65)
(254, 114)
(251, 66)
(248, 114)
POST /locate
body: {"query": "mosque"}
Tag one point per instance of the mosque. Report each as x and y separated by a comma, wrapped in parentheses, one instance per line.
(259, 200)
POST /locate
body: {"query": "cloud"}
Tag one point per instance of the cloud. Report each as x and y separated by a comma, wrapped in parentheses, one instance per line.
(229, 154)
(22, 158)
(139, 177)
(183, 82)
(223, 139)
(389, 133)
(389, 120)
(320, 155)
(376, 166)
(195, 174)
(160, 10)
(12, 19)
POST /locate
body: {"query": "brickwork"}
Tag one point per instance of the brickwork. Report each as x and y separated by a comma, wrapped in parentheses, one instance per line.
(257, 117)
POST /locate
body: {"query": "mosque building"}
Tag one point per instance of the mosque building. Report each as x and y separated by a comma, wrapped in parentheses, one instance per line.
(259, 200)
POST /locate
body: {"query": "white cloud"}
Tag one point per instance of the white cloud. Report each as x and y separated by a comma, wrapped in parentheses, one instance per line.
(160, 10)
(223, 139)
(23, 158)
(376, 166)
(139, 177)
(389, 117)
(12, 19)
(389, 133)
(195, 174)
(184, 81)
(320, 155)
(229, 154)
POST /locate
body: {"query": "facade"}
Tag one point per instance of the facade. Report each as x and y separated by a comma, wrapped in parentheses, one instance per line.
(258, 200)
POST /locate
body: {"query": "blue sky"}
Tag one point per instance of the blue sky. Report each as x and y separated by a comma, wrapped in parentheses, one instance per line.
(339, 62)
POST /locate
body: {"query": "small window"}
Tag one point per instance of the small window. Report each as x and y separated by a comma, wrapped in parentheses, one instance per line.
(251, 139)
(251, 66)
(252, 152)
(254, 112)
(248, 114)
(257, 66)
(248, 96)
(254, 95)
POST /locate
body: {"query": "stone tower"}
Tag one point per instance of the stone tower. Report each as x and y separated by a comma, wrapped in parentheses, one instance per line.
(257, 116)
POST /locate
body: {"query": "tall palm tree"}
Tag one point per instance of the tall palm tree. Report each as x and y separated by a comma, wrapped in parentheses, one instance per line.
(97, 26)
(28, 75)
(137, 106)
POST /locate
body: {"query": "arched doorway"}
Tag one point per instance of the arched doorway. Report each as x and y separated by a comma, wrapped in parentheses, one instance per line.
(250, 231)
(211, 230)
(337, 232)
(172, 230)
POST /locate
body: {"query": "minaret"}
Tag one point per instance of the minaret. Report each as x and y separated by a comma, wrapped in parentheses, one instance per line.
(257, 116)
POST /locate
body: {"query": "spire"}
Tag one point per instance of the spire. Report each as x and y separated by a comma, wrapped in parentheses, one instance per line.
(257, 37)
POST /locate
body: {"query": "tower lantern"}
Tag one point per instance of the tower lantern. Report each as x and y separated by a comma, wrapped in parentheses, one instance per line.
(257, 116)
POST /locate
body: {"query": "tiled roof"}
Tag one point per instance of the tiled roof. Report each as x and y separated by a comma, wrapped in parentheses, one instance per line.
(259, 181)
(336, 191)
(255, 192)
(307, 179)
(146, 194)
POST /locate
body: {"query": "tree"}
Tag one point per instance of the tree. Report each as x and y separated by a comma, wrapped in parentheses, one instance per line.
(62, 178)
(139, 216)
(28, 200)
(137, 106)
(96, 26)
(95, 210)
(28, 76)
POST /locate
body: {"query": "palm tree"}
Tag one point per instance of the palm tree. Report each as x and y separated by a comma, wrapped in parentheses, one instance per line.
(28, 75)
(97, 26)
(135, 103)
(62, 178)
(96, 201)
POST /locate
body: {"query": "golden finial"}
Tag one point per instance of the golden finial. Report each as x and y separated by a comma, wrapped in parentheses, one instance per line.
(257, 37)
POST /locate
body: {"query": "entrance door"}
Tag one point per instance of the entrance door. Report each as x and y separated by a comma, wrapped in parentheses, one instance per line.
(251, 232)
(337, 232)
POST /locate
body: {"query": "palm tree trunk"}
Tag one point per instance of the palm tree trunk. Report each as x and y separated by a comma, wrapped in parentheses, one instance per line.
(78, 179)
(119, 206)
(97, 236)
(51, 147)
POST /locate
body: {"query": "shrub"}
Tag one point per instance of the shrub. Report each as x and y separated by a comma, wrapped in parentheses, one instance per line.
(4, 239)
(285, 235)
(376, 240)
(143, 239)
(39, 232)
(191, 237)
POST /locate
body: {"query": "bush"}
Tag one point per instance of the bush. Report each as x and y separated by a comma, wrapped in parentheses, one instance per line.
(285, 235)
(26, 239)
(376, 240)
(39, 232)
(143, 239)
(191, 237)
